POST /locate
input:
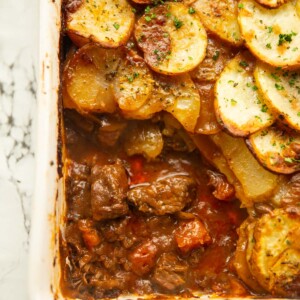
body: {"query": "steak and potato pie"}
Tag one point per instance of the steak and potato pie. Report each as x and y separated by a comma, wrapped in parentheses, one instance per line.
(181, 149)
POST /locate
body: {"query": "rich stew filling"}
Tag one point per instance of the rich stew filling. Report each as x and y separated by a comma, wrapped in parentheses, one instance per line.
(180, 149)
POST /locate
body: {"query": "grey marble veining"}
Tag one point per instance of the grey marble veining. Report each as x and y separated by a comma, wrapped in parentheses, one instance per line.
(18, 63)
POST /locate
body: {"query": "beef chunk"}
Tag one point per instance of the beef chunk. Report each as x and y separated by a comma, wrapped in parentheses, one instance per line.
(78, 190)
(223, 189)
(170, 272)
(108, 192)
(164, 196)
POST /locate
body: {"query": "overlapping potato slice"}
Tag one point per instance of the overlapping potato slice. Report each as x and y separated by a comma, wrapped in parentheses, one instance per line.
(258, 183)
(133, 83)
(108, 23)
(238, 104)
(281, 90)
(173, 40)
(271, 3)
(207, 122)
(218, 54)
(273, 35)
(240, 262)
(176, 95)
(220, 17)
(276, 149)
(87, 79)
(275, 257)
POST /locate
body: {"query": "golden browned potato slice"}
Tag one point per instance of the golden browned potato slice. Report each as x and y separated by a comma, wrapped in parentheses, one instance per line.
(207, 122)
(87, 79)
(275, 257)
(271, 3)
(133, 83)
(281, 90)
(144, 138)
(273, 35)
(172, 39)
(240, 262)
(258, 183)
(108, 23)
(218, 54)
(176, 95)
(238, 104)
(276, 149)
(220, 17)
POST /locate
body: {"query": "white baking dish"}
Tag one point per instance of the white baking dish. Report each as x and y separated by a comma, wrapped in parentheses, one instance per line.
(44, 264)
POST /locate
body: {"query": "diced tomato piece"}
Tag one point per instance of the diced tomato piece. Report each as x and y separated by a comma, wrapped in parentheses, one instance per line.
(91, 238)
(143, 258)
(191, 235)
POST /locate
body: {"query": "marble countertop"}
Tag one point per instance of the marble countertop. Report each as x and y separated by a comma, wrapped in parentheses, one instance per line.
(18, 64)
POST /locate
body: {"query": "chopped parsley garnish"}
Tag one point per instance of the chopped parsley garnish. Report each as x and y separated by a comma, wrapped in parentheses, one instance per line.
(148, 18)
(147, 9)
(177, 23)
(269, 46)
(216, 55)
(191, 10)
(264, 108)
(270, 29)
(243, 63)
(116, 25)
(241, 5)
(279, 87)
(233, 102)
(286, 37)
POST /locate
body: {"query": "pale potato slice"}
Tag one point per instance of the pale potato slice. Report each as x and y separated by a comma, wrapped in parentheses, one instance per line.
(218, 54)
(271, 3)
(87, 79)
(207, 122)
(172, 39)
(176, 95)
(133, 83)
(220, 17)
(240, 262)
(238, 104)
(274, 237)
(277, 150)
(108, 23)
(145, 139)
(258, 183)
(273, 35)
(281, 90)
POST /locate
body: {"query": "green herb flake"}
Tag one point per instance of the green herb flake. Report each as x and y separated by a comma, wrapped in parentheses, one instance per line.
(269, 46)
(148, 18)
(279, 87)
(243, 63)
(177, 23)
(191, 10)
(116, 25)
(216, 55)
(285, 37)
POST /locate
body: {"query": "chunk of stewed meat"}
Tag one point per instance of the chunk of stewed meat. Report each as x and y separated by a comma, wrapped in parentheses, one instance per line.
(223, 190)
(170, 272)
(164, 196)
(90, 235)
(191, 235)
(108, 191)
(78, 190)
(143, 258)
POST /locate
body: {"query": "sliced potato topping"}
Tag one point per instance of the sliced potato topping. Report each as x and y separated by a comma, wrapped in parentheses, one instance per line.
(207, 122)
(238, 104)
(172, 39)
(271, 3)
(273, 35)
(258, 183)
(275, 257)
(176, 95)
(87, 79)
(276, 149)
(218, 54)
(281, 90)
(108, 23)
(220, 17)
(133, 83)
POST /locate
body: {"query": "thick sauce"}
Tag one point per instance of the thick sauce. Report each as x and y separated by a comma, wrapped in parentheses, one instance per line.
(135, 251)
